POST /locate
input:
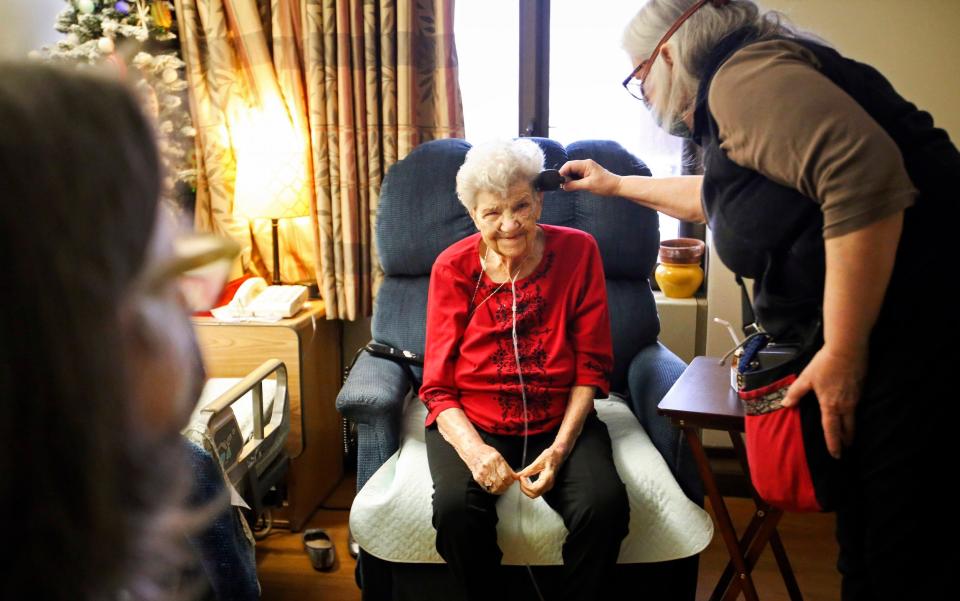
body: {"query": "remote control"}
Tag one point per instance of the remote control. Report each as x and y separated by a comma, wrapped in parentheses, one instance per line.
(388, 352)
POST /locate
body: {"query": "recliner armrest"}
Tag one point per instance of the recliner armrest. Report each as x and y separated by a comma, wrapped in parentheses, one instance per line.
(374, 389)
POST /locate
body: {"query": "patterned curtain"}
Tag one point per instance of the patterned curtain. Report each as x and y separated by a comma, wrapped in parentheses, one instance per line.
(334, 92)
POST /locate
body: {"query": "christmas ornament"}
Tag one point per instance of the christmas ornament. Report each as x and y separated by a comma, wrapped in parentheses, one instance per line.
(169, 76)
(85, 6)
(122, 7)
(105, 45)
(161, 14)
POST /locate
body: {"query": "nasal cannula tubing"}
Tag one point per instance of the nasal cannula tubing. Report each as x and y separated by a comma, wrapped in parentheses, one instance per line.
(526, 423)
(523, 392)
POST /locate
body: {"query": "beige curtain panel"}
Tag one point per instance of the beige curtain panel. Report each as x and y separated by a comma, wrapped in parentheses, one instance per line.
(301, 106)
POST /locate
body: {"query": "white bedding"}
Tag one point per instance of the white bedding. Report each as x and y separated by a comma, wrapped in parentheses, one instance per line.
(391, 515)
(242, 408)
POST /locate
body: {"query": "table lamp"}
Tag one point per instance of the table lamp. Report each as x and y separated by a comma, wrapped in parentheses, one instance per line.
(271, 178)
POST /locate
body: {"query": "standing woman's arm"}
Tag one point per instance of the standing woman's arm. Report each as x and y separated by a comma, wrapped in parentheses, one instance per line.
(850, 309)
(677, 197)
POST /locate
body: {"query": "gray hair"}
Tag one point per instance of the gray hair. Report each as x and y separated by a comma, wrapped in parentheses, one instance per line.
(692, 43)
(496, 166)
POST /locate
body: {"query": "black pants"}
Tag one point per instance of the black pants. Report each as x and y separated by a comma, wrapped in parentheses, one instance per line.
(587, 493)
(897, 530)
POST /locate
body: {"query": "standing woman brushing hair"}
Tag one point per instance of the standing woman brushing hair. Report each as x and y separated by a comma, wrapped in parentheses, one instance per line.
(831, 191)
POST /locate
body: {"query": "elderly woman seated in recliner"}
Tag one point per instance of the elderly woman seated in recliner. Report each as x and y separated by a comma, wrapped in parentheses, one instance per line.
(518, 345)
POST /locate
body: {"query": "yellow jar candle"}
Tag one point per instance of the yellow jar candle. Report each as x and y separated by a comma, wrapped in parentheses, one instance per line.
(679, 274)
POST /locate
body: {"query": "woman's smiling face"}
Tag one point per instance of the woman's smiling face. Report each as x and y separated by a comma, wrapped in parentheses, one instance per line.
(508, 224)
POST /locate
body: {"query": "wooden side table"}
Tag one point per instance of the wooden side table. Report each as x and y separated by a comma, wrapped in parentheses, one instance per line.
(309, 345)
(702, 398)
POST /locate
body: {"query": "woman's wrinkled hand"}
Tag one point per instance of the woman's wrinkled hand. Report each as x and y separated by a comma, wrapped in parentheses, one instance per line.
(588, 175)
(490, 470)
(837, 380)
(545, 467)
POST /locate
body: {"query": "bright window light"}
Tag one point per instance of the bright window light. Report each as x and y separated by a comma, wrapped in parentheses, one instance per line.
(488, 48)
(587, 101)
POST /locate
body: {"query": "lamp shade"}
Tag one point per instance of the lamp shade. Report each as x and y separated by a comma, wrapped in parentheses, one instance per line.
(271, 178)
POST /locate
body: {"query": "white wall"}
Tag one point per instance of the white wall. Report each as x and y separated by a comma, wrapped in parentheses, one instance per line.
(27, 25)
(914, 44)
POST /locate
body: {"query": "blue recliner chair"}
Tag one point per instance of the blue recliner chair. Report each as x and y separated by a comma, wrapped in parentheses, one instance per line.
(419, 216)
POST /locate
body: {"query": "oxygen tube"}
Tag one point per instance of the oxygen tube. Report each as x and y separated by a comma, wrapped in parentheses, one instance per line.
(523, 392)
(526, 424)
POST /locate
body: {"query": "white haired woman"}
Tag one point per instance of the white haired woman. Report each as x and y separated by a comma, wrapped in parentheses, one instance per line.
(819, 180)
(518, 345)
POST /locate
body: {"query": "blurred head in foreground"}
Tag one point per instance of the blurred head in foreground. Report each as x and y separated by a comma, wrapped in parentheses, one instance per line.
(98, 361)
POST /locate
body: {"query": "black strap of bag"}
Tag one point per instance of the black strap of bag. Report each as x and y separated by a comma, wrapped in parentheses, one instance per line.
(747, 314)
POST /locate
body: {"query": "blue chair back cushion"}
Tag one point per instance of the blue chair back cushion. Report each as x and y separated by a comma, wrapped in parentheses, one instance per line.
(419, 216)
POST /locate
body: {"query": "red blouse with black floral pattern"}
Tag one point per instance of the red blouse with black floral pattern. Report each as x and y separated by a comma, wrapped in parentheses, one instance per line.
(563, 334)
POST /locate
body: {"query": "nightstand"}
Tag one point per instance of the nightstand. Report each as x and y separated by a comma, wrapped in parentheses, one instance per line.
(309, 345)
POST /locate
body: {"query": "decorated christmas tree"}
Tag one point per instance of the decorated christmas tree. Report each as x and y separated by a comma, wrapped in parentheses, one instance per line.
(138, 39)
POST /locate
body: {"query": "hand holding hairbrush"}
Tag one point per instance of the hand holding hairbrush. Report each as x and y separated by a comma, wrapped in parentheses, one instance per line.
(549, 180)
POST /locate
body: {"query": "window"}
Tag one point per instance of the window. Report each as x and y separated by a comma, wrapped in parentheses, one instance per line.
(488, 36)
(586, 66)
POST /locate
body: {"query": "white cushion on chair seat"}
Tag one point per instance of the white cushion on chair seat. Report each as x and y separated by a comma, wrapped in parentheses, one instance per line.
(391, 515)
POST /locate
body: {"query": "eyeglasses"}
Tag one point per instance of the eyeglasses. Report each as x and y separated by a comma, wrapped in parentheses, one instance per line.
(634, 82)
(199, 267)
